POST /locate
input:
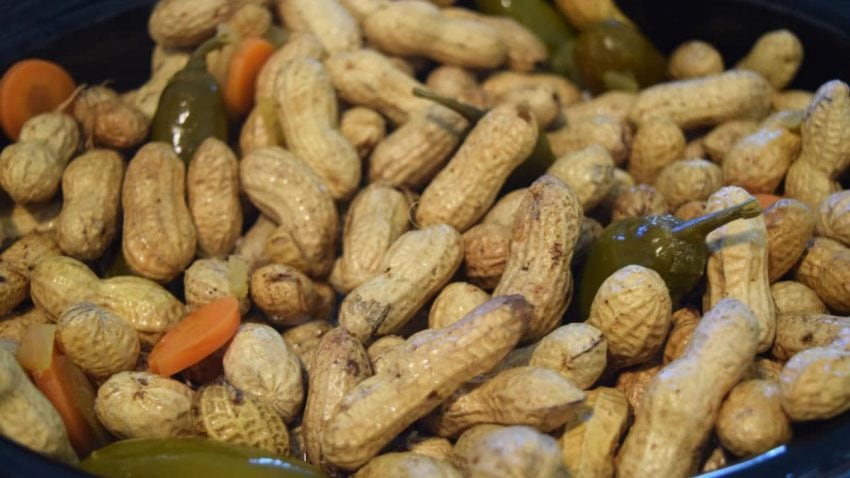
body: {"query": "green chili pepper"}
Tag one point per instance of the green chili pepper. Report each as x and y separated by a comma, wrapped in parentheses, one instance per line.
(533, 167)
(191, 458)
(190, 108)
(672, 247)
(539, 17)
(610, 55)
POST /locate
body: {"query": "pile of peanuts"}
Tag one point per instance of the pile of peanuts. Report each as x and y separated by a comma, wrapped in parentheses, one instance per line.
(399, 317)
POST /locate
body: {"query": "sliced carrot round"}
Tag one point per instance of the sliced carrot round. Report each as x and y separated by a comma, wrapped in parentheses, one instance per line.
(245, 65)
(30, 87)
(197, 336)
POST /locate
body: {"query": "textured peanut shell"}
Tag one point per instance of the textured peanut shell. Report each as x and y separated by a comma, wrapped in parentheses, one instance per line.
(288, 192)
(503, 212)
(814, 383)
(144, 405)
(705, 101)
(453, 303)
(514, 451)
(694, 59)
(588, 172)
(159, 237)
(776, 55)
(432, 365)
(589, 447)
(261, 128)
(723, 137)
(634, 381)
(688, 180)
(284, 294)
(100, 342)
(544, 235)
(682, 401)
(22, 219)
(808, 184)
(299, 45)
(212, 184)
(260, 363)
(384, 351)
(533, 396)
(456, 82)
(614, 134)
(30, 171)
(109, 121)
(738, 263)
(58, 130)
(486, 249)
(414, 269)
(824, 268)
(364, 128)
(690, 210)
(656, 144)
(501, 83)
(434, 447)
(796, 332)
(758, 162)
(91, 191)
(833, 217)
(789, 224)
(466, 188)
(16, 264)
(186, 23)
(407, 465)
(685, 321)
(792, 100)
(615, 104)
(223, 413)
(207, 280)
(13, 327)
(791, 297)
(328, 20)
(576, 351)
(639, 201)
(340, 364)
(751, 420)
(304, 340)
(251, 246)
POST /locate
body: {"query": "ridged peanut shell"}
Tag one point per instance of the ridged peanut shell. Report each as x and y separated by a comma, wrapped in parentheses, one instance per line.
(212, 184)
(97, 340)
(824, 268)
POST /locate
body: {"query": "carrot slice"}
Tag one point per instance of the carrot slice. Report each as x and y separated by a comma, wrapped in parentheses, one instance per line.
(30, 87)
(766, 200)
(197, 336)
(245, 64)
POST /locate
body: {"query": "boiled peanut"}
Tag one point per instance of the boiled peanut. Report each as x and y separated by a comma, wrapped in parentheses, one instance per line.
(212, 184)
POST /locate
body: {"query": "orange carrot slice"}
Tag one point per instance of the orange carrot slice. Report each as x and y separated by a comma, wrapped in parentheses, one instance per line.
(245, 64)
(30, 87)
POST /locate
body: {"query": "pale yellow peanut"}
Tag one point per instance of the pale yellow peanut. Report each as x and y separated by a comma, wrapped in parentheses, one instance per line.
(808, 184)
(250, 19)
(466, 188)
(304, 340)
(792, 120)
(22, 219)
(146, 98)
(685, 321)
(98, 341)
(309, 116)
(738, 263)
(486, 249)
(207, 280)
(588, 448)
(751, 420)
(695, 148)
(408, 465)
(328, 20)
(159, 238)
(212, 183)
(633, 311)
(824, 268)
(776, 55)
(503, 212)
(583, 13)
(717, 459)
(30, 171)
(261, 128)
(792, 100)
(541, 100)
(639, 201)
(109, 121)
(434, 447)
(16, 265)
(681, 403)
(300, 45)
(144, 405)
(418, 28)
(814, 383)
(705, 101)
(223, 413)
(694, 59)
(458, 83)
(364, 128)
(544, 235)
(789, 224)
(764, 368)
(186, 23)
(499, 84)
(377, 216)
(610, 132)
(453, 303)
(13, 327)
(576, 351)
(688, 180)
(634, 381)
(289, 193)
(758, 162)
(284, 294)
(58, 130)
(384, 351)
(260, 363)
(793, 297)
(615, 104)
(833, 217)
(91, 191)
(513, 451)
(656, 144)
(690, 210)
(467, 441)
(252, 245)
(340, 364)
(722, 137)
(588, 172)
(432, 365)
(414, 269)
(27, 417)
(796, 332)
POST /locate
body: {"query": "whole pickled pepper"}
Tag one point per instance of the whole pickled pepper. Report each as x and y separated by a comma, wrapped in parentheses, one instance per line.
(674, 248)
(191, 108)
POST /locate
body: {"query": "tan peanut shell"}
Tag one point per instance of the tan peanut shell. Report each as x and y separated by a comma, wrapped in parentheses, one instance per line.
(576, 351)
(377, 216)
(542, 102)
(186, 23)
(634, 381)
(764, 368)
(583, 13)
(284, 294)
(434, 447)
(533, 396)
(250, 18)
(288, 192)
(751, 420)
(705, 101)
(639, 201)
(808, 184)
(22, 219)
(466, 188)
(682, 401)
(260, 363)
(328, 20)
(340, 364)
(614, 104)
(58, 130)
(796, 332)
(688, 180)
(824, 268)
(633, 311)
(30, 171)
(223, 413)
(486, 249)
(252, 245)
(304, 340)
(364, 128)
(758, 162)
(776, 55)
(27, 417)
(793, 297)
(513, 451)
(144, 405)
(656, 144)
(738, 263)
(833, 217)
(690, 210)
(453, 303)
(694, 59)
(107, 120)
(299, 45)
(13, 327)
(499, 85)
(467, 442)
(159, 237)
(261, 128)
(685, 321)
(723, 137)
(417, 28)
(814, 383)
(792, 100)
(383, 351)
(207, 280)
(407, 464)
(16, 265)
(432, 365)
(589, 447)
(414, 269)
(98, 341)
(456, 82)
(588, 172)
(212, 184)
(789, 224)
(614, 134)
(308, 114)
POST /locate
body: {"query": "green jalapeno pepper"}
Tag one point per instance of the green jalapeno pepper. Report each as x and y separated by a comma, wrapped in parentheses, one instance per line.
(191, 108)
(191, 458)
(672, 247)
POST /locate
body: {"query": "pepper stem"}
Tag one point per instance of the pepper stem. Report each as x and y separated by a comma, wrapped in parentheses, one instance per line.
(699, 227)
(471, 113)
(198, 60)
